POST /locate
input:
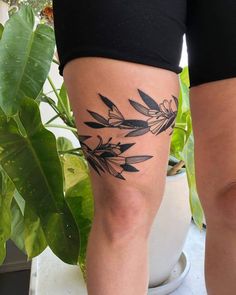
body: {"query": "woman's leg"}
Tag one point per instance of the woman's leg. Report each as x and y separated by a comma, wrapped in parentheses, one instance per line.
(211, 41)
(133, 154)
(213, 107)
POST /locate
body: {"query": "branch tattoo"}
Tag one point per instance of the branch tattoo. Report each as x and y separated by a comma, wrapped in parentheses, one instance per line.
(108, 156)
(160, 116)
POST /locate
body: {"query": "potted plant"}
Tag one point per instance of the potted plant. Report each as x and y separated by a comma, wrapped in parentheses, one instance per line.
(44, 183)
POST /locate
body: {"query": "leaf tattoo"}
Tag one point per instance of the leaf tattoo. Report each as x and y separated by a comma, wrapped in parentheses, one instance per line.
(107, 157)
(160, 116)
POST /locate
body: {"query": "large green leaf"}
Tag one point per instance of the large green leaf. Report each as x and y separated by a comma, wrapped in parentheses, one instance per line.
(195, 204)
(80, 200)
(27, 231)
(35, 241)
(182, 129)
(64, 144)
(182, 145)
(32, 163)
(75, 170)
(79, 197)
(25, 59)
(6, 195)
(17, 226)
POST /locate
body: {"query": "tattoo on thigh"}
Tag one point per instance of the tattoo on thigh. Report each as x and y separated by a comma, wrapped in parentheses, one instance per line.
(107, 157)
(160, 116)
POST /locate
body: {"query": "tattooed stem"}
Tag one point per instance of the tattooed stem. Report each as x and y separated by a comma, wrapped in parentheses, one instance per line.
(160, 116)
(107, 157)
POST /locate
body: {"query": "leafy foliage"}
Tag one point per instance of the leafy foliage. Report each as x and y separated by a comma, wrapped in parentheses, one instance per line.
(35, 5)
(25, 59)
(28, 151)
(6, 196)
(182, 146)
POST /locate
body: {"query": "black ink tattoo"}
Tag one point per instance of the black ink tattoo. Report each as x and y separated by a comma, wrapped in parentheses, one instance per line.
(160, 116)
(106, 157)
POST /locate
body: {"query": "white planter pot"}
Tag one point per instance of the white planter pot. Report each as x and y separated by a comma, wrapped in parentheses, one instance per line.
(169, 230)
(4, 7)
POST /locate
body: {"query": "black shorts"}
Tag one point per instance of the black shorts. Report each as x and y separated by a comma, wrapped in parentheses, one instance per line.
(151, 32)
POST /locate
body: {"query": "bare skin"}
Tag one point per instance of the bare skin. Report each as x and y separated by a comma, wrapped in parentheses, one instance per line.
(125, 202)
(124, 209)
(213, 107)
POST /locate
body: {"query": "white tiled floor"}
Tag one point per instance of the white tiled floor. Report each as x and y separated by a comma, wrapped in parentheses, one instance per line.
(194, 283)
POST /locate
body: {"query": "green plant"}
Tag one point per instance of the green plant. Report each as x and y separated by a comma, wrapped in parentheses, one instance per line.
(45, 190)
(182, 147)
(37, 6)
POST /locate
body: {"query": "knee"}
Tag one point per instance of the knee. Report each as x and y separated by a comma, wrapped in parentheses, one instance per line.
(226, 206)
(123, 213)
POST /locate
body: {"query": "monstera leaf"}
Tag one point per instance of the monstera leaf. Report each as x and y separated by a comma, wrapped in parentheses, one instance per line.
(26, 53)
(29, 157)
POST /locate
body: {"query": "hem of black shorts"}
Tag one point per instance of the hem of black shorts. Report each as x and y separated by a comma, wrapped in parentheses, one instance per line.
(213, 79)
(119, 56)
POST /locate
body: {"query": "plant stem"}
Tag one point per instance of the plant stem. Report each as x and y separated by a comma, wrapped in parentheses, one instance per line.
(77, 151)
(55, 61)
(52, 119)
(176, 168)
(61, 126)
(59, 99)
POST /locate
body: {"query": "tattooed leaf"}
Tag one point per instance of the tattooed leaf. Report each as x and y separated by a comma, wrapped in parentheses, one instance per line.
(107, 155)
(129, 168)
(166, 124)
(176, 100)
(149, 101)
(98, 117)
(107, 101)
(137, 159)
(170, 122)
(94, 125)
(140, 108)
(93, 165)
(120, 176)
(99, 165)
(135, 123)
(138, 132)
(125, 147)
